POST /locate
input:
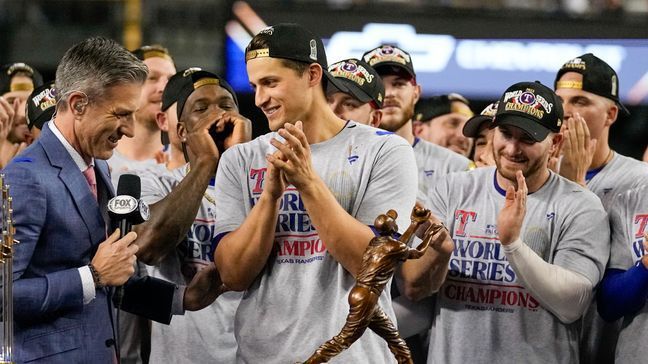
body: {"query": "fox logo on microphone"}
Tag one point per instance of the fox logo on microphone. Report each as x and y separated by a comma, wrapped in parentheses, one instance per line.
(122, 205)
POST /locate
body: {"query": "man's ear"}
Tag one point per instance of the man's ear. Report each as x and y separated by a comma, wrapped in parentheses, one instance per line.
(315, 74)
(417, 93)
(375, 118)
(182, 131)
(417, 128)
(161, 120)
(612, 114)
(556, 141)
(77, 101)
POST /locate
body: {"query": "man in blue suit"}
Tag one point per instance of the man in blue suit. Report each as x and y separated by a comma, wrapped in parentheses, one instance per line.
(69, 257)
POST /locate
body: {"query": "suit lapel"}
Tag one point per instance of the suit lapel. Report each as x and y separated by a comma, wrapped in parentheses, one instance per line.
(76, 185)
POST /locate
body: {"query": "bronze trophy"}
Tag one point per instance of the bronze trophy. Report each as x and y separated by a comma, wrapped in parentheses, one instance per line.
(379, 261)
(6, 260)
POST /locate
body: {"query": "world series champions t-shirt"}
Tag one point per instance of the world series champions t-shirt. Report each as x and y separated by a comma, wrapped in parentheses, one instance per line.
(628, 222)
(483, 313)
(619, 175)
(299, 300)
(207, 335)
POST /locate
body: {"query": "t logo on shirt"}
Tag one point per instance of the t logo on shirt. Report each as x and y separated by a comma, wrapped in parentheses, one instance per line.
(257, 175)
(463, 217)
(640, 219)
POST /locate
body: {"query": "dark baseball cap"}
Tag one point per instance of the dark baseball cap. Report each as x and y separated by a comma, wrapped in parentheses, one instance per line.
(598, 78)
(294, 42)
(41, 104)
(150, 51)
(360, 79)
(435, 106)
(173, 86)
(532, 107)
(8, 71)
(389, 59)
(473, 125)
(191, 81)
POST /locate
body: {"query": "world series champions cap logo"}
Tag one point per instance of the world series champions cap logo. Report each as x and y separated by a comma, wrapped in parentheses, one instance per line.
(532, 107)
(352, 71)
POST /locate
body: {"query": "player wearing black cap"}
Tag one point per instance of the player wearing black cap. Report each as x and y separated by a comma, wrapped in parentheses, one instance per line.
(364, 96)
(440, 119)
(17, 80)
(178, 240)
(479, 128)
(589, 89)
(299, 201)
(530, 245)
(41, 104)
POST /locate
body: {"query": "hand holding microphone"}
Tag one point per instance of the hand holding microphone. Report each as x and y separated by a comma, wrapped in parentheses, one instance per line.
(114, 261)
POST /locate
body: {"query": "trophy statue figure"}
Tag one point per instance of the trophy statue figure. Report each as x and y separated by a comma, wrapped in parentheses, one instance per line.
(6, 260)
(379, 261)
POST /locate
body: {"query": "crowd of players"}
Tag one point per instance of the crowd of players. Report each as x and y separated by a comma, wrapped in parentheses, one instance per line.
(543, 260)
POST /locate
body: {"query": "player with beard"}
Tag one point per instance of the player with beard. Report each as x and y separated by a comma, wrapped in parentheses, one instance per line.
(530, 245)
(395, 67)
(145, 149)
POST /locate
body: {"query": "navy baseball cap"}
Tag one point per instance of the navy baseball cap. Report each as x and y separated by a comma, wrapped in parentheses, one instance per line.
(8, 71)
(532, 107)
(389, 59)
(191, 81)
(598, 78)
(361, 80)
(294, 42)
(41, 104)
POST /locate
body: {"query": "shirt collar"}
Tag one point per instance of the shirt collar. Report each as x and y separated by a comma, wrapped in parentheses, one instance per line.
(76, 157)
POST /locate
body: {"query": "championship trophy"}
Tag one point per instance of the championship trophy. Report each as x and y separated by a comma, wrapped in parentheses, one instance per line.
(6, 260)
(379, 261)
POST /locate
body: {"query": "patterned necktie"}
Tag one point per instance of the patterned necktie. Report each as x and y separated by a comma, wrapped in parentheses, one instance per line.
(90, 176)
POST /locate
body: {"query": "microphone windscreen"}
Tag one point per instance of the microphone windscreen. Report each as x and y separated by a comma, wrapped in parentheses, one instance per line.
(130, 185)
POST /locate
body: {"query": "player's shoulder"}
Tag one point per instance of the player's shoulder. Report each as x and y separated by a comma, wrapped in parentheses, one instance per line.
(570, 193)
(372, 135)
(427, 148)
(259, 146)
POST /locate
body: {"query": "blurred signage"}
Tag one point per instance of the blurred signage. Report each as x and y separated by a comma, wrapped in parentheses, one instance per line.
(478, 68)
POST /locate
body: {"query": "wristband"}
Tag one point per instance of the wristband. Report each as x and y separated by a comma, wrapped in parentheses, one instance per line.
(95, 276)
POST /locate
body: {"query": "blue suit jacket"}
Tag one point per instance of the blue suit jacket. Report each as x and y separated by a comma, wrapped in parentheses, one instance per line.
(59, 225)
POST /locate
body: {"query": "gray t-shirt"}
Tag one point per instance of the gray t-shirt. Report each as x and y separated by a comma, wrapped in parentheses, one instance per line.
(205, 336)
(299, 300)
(622, 173)
(483, 313)
(434, 162)
(119, 165)
(628, 222)
(619, 175)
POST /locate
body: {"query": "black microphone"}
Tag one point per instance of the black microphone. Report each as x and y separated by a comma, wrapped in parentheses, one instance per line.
(127, 208)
